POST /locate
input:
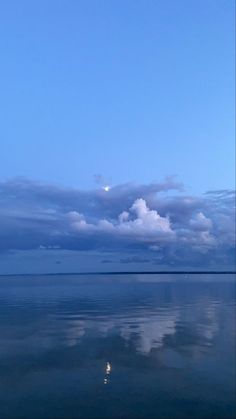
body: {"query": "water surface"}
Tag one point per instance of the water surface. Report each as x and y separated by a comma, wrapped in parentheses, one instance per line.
(133, 346)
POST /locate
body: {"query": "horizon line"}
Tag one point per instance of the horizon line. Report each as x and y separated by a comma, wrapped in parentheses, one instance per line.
(125, 273)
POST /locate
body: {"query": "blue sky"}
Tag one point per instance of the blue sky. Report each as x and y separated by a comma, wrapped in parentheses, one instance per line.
(132, 90)
(125, 93)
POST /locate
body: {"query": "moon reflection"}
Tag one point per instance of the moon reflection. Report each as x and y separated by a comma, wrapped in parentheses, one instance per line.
(107, 373)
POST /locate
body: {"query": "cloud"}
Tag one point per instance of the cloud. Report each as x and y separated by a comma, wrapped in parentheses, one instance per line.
(177, 228)
(145, 225)
(200, 222)
(134, 259)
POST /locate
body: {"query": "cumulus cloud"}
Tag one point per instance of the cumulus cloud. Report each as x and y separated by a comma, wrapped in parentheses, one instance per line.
(177, 228)
(139, 223)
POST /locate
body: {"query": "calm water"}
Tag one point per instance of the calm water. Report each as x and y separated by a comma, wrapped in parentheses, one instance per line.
(122, 347)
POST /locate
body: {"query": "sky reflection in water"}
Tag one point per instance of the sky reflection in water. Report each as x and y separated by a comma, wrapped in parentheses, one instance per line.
(133, 347)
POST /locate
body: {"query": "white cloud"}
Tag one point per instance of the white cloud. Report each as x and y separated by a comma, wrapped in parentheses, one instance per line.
(124, 216)
(147, 221)
(145, 224)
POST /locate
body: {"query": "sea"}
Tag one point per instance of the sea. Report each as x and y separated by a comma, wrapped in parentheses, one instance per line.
(118, 346)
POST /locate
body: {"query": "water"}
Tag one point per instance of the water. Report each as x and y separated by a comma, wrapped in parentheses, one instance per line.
(133, 346)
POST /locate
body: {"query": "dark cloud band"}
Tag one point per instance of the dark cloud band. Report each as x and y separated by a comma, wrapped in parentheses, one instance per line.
(176, 228)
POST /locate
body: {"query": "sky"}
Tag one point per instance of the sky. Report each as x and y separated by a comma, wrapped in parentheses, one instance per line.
(134, 95)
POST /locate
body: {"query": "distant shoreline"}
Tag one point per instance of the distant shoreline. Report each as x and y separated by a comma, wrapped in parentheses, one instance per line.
(128, 273)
